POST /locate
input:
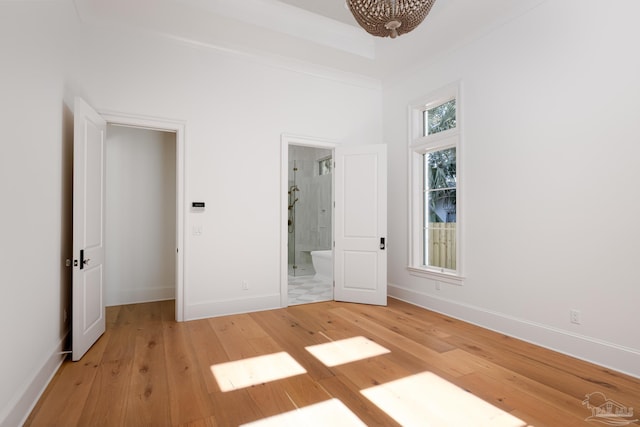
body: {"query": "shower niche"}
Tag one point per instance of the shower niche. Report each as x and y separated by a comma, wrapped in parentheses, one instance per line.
(309, 207)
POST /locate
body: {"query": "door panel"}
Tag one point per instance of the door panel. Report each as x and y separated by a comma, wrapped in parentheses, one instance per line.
(92, 291)
(360, 270)
(93, 175)
(360, 224)
(88, 311)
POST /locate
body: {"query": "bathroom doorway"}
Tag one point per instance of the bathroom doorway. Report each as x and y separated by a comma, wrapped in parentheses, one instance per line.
(309, 201)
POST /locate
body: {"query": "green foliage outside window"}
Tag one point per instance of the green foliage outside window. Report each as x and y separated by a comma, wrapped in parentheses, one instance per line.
(440, 185)
(440, 118)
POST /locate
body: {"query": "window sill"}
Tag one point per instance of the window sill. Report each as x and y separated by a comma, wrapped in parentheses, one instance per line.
(450, 278)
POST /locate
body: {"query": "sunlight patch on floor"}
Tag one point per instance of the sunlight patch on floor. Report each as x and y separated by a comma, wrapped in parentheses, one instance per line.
(345, 351)
(255, 370)
(425, 399)
(328, 413)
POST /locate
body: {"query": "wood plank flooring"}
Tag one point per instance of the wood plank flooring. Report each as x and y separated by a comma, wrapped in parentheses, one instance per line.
(148, 370)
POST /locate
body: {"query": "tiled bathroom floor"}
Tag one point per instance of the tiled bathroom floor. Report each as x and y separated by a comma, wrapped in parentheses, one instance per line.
(302, 269)
(306, 289)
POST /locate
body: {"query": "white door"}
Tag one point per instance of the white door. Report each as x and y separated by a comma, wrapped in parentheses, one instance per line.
(88, 312)
(360, 256)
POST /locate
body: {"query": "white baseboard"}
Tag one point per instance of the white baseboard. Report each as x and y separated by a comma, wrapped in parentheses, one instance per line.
(137, 296)
(609, 355)
(231, 306)
(19, 408)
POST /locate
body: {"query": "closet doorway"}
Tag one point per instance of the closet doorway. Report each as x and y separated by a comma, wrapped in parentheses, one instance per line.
(90, 216)
(141, 208)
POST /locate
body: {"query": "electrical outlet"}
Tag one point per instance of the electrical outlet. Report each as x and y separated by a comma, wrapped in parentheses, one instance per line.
(574, 316)
(245, 285)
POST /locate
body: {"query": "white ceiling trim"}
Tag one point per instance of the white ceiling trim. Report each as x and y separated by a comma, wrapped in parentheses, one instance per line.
(294, 21)
(289, 64)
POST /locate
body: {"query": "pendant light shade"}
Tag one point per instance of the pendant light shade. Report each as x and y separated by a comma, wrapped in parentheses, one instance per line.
(389, 18)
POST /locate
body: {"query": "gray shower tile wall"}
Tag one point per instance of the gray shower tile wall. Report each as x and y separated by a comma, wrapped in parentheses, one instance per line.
(313, 209)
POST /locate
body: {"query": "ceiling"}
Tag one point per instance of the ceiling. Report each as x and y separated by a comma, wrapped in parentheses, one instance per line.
(334, 9)
(320, 32)
(449, 25)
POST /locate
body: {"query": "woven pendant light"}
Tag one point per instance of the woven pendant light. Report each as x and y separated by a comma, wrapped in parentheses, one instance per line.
(389, 18)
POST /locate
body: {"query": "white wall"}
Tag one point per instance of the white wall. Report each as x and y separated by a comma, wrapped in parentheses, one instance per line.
(140, 215)
(235, 110)
(235, 107)
(35, 197)
(549, 105)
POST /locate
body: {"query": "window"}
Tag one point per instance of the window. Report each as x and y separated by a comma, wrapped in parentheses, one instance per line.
(325, 166)
(440, 118)
(439, 205)
(434, 202)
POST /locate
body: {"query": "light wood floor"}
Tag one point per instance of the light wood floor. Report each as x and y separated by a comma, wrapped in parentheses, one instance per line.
(148, 370)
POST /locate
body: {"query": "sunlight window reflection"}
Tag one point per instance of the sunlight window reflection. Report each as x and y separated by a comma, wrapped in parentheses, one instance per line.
(345, 351)
(256, 370)
(426, 399)
(328, 413)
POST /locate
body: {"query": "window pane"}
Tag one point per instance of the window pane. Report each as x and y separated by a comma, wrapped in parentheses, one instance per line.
(440, 167)
(324, 166)
(440, 118)
(442, 206)
(440, 200)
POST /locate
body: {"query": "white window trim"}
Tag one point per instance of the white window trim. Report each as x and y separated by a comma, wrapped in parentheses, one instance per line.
(418, 145)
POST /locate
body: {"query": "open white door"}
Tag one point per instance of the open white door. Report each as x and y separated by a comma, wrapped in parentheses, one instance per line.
(360, 256)
(88, 310)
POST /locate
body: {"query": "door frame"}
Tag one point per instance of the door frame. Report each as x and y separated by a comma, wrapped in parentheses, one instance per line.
(177, 127)
(304, 141)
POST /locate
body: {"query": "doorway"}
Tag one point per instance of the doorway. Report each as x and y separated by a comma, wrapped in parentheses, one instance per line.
(172, 134)
(140, 215)
(89, 213)
(309, 225)
(310, 229)
(358, 218)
